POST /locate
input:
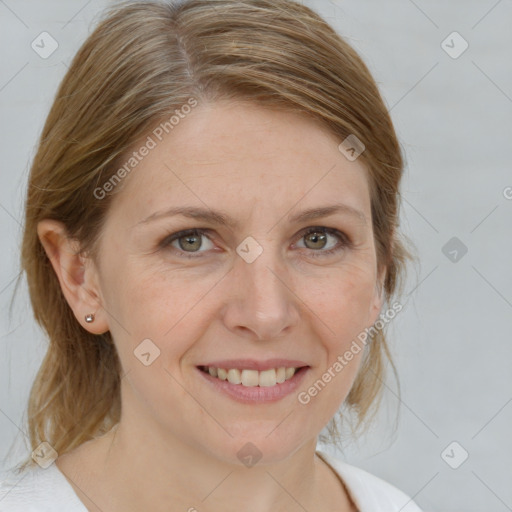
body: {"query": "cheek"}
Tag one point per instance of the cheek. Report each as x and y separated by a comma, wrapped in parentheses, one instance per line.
(340, 309)
(158, 318)
(342, 301)
(166, 308)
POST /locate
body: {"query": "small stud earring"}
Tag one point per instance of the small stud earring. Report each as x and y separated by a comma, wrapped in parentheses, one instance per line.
(89, 318)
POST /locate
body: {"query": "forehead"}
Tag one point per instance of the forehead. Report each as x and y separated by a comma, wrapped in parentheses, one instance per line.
(240, 154)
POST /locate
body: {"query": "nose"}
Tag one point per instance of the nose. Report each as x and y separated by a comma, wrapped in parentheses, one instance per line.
(262, 304)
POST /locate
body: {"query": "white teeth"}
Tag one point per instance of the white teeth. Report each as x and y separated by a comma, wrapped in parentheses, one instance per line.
(252, 378)
(281, 375)
(268, 378)
(289, 372)
(234, 376)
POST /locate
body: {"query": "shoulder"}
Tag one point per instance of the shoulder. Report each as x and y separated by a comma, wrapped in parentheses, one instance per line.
(37, 490)
(369, 492)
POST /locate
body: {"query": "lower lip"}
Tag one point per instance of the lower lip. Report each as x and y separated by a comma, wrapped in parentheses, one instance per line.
(256, 394)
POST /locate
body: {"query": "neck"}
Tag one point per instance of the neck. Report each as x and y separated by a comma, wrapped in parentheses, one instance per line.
(143, 466)
(189, 479)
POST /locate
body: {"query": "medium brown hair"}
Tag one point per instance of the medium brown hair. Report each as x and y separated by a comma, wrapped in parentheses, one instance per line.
(144, 60)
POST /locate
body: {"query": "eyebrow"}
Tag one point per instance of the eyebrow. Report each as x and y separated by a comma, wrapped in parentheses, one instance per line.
(223, 219)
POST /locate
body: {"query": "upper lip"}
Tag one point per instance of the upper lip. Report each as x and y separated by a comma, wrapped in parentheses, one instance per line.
(253, 364)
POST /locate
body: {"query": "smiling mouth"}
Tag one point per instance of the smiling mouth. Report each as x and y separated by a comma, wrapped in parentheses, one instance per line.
(252, 378)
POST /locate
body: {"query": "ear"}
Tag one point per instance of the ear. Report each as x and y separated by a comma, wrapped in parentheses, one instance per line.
(77, 274)
(378, 297)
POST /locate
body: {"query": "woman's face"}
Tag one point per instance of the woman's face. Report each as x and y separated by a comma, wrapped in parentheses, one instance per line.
(252, 290)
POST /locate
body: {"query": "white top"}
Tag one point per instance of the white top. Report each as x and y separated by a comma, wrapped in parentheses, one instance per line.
(48, 490)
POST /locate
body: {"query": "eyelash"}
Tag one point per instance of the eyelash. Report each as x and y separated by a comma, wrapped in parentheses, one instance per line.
(345, 241)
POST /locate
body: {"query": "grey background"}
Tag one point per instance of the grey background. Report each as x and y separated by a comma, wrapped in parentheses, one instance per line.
(452, 340)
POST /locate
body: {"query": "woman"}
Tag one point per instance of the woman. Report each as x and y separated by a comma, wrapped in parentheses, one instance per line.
(210, 239)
